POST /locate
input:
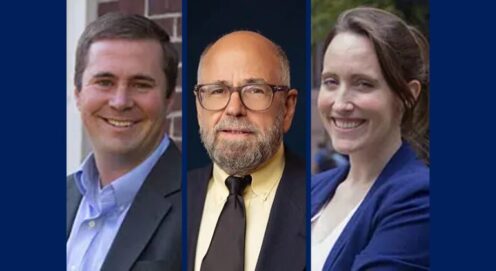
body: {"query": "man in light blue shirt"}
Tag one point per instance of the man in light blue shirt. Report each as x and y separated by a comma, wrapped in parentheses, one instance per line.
(124, 203)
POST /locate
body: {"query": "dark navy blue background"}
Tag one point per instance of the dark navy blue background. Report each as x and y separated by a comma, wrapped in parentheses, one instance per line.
(463, 171)
(33, 110)
(281, 21)
(463, 153)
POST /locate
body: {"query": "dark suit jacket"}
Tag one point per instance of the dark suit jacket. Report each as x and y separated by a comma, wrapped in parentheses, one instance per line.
(150, 235)
(283, 247)
(390, 229)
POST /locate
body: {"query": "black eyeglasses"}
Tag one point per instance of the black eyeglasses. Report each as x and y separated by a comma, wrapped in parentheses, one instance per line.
(256, 97)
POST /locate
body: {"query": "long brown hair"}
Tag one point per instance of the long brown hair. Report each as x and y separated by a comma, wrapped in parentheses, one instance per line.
(403, 54)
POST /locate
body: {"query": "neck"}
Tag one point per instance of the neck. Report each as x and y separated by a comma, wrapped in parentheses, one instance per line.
(112, 166)
(367, 164)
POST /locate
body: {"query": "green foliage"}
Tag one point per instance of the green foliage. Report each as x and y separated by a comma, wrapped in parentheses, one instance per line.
(326, 12)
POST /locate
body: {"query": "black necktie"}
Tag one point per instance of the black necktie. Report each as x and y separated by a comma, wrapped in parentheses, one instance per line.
(227, 249)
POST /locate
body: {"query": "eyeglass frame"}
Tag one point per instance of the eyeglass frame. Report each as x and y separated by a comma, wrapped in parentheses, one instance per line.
(273, 88)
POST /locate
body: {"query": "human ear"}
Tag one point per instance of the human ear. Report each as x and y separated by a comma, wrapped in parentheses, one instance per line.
(415, 88)
(77, 92)
(290, 106)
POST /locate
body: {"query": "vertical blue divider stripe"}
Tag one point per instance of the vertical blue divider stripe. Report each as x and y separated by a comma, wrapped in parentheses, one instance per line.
(308, 126)
(185, 106)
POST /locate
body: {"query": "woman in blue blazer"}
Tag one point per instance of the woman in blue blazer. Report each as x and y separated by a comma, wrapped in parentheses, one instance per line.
(373, 214)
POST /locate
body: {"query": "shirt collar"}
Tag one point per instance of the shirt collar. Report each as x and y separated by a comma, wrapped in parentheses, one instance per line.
(263, 180)
(123, 189)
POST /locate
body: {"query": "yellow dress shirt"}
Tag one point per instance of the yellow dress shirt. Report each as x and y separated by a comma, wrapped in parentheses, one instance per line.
(258, 198)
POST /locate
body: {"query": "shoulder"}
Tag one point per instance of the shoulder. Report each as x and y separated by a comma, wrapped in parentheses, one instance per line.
(409, 183)
(405, 175)
(72, 192)
(172, 156)
(70, 178)
(295, 167)
(392, 231)
(199, 176)
(405, 196)
(71, 182)
(205, 171)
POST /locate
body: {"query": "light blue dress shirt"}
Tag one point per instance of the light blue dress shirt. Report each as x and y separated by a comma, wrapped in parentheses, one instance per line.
(102, 210)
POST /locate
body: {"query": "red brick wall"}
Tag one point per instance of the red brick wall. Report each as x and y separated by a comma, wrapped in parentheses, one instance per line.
(167, 14)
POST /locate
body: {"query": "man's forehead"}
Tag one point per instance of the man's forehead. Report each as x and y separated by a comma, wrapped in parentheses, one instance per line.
(243, 38)
(123, 63)
(240, 47)
(239, 64)
(121, 55)
(146, 50)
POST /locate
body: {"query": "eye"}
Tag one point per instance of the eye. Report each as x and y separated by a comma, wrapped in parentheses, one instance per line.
(255, 89)
(104, 83)
(142, 86)
(213, 90)
(330, 83)
(216, 91)
(365, 85)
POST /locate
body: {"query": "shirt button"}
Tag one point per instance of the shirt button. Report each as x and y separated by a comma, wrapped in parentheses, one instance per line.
(92, 225)
(73, 268)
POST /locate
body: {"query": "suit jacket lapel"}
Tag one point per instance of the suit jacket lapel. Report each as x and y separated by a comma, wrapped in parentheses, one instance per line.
(148, 209)
(197, 192)
(398, 160)
(284, 237)
(72, 203)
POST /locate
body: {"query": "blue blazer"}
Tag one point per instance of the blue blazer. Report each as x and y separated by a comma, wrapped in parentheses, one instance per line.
(390, 229)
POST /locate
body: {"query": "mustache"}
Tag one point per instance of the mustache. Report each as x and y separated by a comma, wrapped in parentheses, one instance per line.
(235, 124)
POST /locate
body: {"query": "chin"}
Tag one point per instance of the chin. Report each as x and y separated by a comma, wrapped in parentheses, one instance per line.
(346, 147)
(120, 147)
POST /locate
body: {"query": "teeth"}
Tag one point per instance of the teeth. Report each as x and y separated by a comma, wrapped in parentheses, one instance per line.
(347, 124)
(119, 123)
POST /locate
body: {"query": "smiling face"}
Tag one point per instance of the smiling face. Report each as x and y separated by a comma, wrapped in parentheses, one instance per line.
(122, 98)
(239, 140)
(357, 107)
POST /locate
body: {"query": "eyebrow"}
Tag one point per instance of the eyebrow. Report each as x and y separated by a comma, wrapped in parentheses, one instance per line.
(359, 76)
(254, 81)
(219, 82)
(134, 77)
(353, 76)
(244, 82)
(327, 74)
(103, 75)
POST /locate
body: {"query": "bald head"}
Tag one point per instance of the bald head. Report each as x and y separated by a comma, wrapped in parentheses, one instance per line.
(245, 51)
(237, 60)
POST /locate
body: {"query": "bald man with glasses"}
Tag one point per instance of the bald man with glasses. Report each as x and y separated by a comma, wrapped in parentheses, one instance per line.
(246, 211)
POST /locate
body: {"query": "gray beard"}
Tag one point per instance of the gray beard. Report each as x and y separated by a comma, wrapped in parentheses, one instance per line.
(242, 157)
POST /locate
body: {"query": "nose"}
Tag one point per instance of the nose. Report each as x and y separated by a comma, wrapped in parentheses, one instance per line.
(343, 102)
(235, 107)
(121, 99)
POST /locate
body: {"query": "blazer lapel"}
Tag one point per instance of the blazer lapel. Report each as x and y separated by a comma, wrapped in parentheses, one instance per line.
(283, 247)
(197, 192)
(148, 209)
(398, 160)
(72, 203)
(324, 189)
